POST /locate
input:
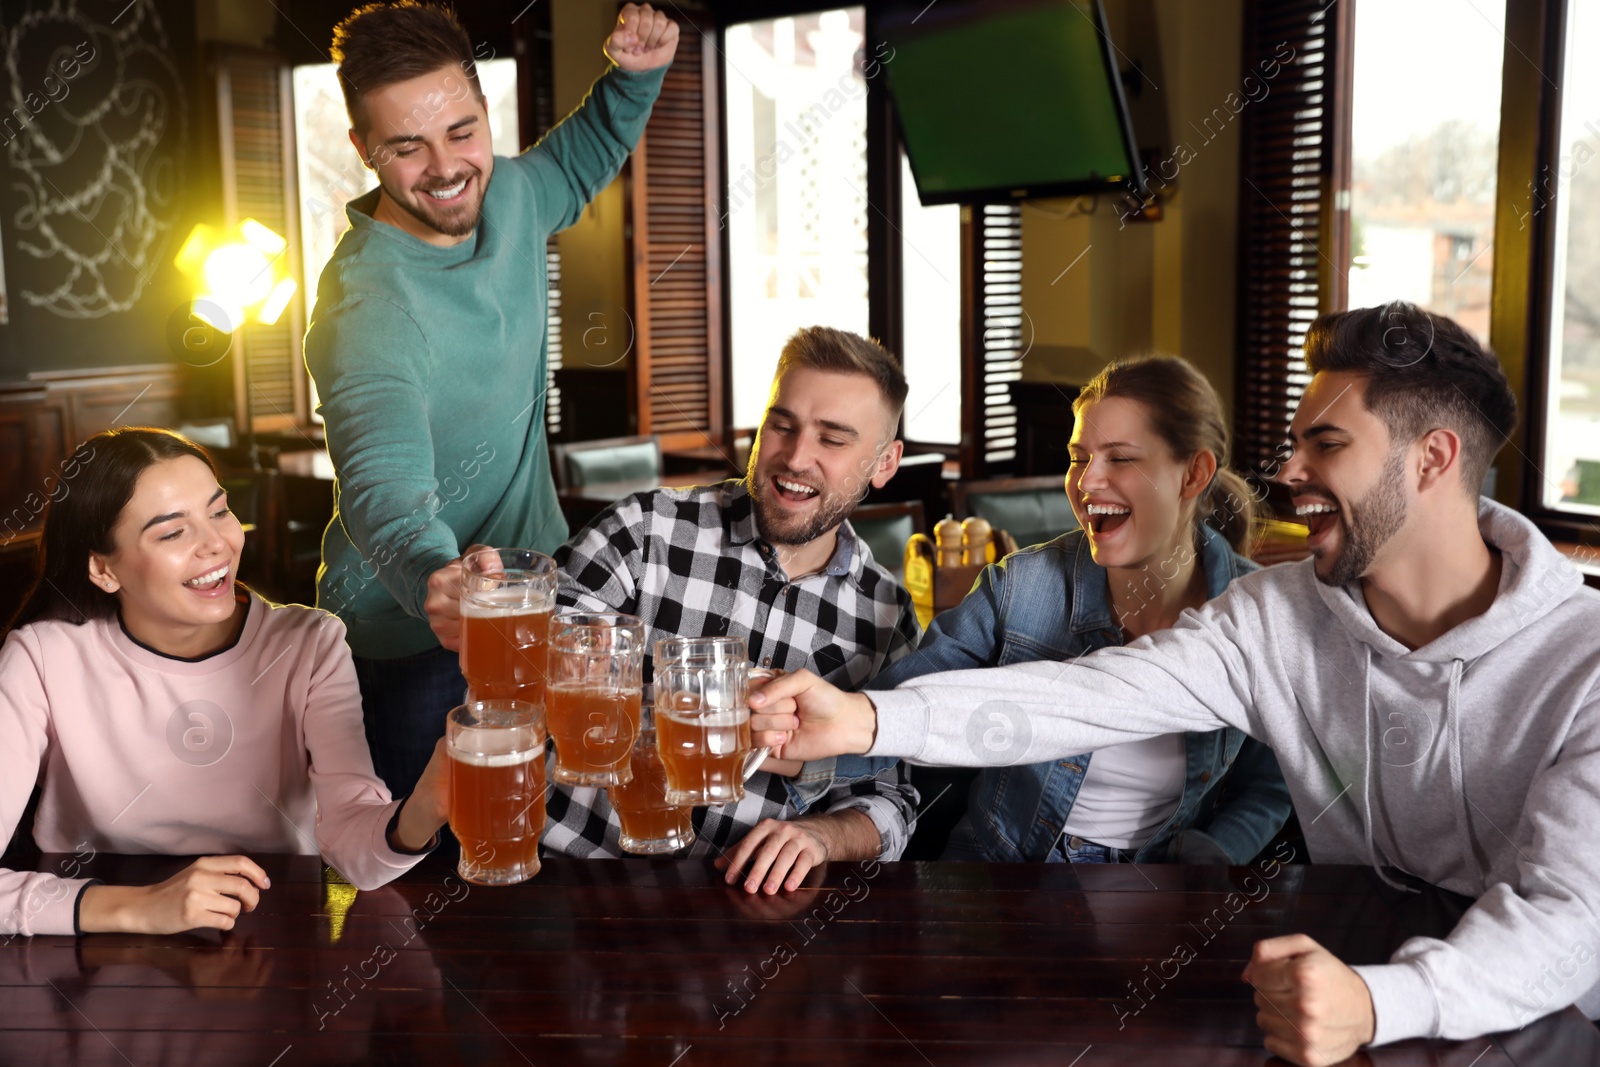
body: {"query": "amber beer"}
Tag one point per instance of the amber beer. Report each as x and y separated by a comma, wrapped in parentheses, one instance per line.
(497, 789)
(649, 824)
(703, 751)
(703, 718)
(504, 650)
(594, 729)
(506, 599)
(596, 676)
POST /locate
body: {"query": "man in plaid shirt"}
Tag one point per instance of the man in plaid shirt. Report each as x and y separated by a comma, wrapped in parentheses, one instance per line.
(771, 558)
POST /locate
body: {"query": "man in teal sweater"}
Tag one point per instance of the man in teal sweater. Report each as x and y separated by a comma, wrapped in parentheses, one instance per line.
(428, 346)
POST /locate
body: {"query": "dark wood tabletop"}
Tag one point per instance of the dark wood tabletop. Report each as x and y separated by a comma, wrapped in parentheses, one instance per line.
(657, 962)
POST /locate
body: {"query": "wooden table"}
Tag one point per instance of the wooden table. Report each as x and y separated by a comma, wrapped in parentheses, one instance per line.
(656, 962)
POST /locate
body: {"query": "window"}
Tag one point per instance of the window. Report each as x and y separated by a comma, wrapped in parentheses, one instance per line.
(1424, 145)
(1571, 461)
(796, 207)
(1370, 175)
(930, 286)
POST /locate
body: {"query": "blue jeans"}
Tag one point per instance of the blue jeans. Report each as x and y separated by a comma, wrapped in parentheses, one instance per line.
(1080, 851)
(405, 702)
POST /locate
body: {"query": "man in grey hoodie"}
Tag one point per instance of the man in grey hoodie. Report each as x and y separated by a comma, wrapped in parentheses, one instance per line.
(1430, 682)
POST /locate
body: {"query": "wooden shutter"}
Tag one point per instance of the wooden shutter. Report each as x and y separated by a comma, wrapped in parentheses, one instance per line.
(255, 135)
(1294, 210)
(553, 348)
(992, 341)
(675, 245)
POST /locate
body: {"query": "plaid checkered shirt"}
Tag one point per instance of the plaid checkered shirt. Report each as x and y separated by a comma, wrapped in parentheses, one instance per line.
(690, 563)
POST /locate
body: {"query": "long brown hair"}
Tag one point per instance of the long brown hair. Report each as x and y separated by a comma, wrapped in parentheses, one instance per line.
(1186, 413)
(97, 482)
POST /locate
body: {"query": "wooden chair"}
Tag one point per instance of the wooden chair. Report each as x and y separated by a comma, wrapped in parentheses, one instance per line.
(1031, 510)
(613, 459)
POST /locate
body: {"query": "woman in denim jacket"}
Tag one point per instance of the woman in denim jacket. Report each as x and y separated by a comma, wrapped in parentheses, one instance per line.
(1160, 520)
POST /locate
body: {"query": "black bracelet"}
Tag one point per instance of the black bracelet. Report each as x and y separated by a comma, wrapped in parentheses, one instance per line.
(77, 906)
(394, 823)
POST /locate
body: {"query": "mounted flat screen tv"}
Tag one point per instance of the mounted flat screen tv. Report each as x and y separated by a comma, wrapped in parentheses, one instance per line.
(1008, 99)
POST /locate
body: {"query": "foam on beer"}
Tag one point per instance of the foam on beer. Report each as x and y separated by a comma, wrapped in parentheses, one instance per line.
(495, 747)
(513, 600)
(498, 759)
(728, 718)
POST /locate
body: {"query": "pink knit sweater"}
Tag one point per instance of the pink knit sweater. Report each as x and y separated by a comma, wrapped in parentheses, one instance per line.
(258, 748)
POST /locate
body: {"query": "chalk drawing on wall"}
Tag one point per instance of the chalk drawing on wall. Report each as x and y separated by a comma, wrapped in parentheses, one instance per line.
(94, 122)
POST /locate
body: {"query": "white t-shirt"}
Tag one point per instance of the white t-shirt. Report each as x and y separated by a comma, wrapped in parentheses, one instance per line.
(1129, 791)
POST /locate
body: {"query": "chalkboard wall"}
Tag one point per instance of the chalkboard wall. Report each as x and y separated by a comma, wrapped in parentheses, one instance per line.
(98, 184)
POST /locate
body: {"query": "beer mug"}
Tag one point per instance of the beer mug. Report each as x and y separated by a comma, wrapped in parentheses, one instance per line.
(496, 750)
(702, 717)
(596, 663)
(507, 595)
(650, 825)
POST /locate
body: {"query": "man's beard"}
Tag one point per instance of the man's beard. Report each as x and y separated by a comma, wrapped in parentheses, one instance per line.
(457, 223)
(1372, 522)
(833, 508)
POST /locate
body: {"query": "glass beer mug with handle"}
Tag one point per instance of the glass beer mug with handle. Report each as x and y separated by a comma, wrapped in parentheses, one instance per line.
(596, 664)
(702, 712)
(497, 788)
(507, 595)
(650, 825)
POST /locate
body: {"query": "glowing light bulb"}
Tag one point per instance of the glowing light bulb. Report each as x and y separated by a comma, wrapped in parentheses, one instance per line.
(239, 274)
(217, 313)
(261, 237)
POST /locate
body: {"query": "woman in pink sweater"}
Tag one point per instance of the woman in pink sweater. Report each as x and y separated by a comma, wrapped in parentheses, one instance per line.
(163, 708)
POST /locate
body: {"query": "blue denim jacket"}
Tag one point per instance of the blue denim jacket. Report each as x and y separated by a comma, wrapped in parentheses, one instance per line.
(1051, 601)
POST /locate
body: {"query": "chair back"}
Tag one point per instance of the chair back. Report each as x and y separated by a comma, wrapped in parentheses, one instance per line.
(1031, 510)
(886, 528)
(614, 459)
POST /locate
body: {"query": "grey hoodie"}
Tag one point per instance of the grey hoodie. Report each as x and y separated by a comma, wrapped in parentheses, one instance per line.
(1472, 763)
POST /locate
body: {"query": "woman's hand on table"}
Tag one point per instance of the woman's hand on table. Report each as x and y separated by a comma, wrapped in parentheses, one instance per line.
(213, 892)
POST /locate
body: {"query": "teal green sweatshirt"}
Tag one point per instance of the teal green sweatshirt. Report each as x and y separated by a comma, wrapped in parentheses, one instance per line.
(431, 365)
